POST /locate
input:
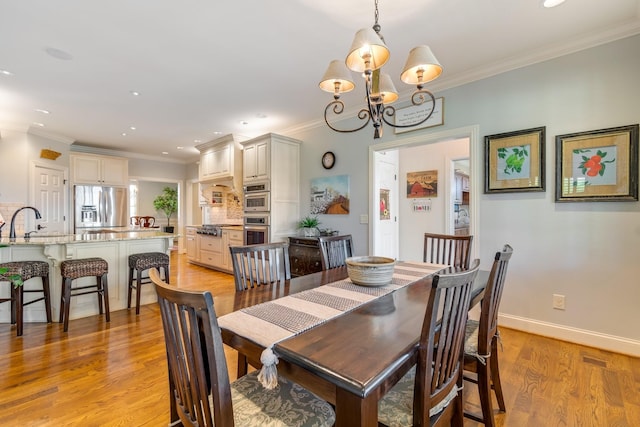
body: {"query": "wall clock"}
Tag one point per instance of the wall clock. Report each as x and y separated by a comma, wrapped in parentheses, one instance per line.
(328, 160)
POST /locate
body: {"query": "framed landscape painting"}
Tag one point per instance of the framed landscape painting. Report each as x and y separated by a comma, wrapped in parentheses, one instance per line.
(330, 195)
(598, 165)
(514, 161)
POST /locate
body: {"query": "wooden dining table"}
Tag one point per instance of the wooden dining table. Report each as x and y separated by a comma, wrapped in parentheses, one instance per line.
(351, 360)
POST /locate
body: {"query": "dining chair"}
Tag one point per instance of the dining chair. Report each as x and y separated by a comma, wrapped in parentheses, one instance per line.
(431, 392)
(481, 342)
(334, 250)
(200, 392)
(259, 265)
(447, 249)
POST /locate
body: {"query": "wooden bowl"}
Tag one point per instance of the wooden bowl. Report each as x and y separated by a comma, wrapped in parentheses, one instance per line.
(370, 270)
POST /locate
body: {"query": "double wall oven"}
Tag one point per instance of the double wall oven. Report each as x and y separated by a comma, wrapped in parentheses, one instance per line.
(257, 206)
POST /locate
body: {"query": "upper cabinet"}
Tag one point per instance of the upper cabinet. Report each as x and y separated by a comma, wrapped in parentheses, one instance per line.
(220, 159)
(462, 188)
(99, 170)
(256, 160)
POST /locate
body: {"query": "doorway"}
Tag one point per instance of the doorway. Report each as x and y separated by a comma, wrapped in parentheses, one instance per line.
(439, 209)
(48, 194)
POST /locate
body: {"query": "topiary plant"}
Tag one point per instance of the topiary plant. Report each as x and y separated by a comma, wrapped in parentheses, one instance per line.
(167, 202)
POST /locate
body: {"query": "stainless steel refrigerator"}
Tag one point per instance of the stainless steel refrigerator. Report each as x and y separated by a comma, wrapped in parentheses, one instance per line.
(98, 207)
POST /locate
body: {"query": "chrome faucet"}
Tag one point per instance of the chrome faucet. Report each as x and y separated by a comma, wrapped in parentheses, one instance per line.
(12, 227)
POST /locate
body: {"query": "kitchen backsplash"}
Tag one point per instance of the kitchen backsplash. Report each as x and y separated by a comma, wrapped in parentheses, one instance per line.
(7, 210)
(229, 212)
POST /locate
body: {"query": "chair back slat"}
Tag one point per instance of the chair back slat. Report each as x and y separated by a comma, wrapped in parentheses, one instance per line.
(334, 250)
(257, 265)
(195, 356)
(440, 351)
(447, 249)
(488, 326)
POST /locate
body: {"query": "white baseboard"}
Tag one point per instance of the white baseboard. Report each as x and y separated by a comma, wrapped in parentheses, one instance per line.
(574, 335)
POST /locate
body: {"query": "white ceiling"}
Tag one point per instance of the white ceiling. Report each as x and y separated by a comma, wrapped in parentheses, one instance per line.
(204, 66)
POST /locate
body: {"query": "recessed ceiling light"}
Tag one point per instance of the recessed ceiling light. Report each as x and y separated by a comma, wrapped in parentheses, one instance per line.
(124, 134)
(38, 124)
(552, 3)
(217, 132)
(244, 122)
(179, 147)
(39, 110)
(197, 141)
(165, 152)
(132, 127)
(6, 73)
(261, 116)
(58, 54)
(134, 93)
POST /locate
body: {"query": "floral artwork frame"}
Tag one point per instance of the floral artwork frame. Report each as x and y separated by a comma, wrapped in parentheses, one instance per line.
(598, 165)
(514, 161)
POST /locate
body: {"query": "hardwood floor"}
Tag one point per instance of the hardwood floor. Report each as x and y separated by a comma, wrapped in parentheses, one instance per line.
(115, 374)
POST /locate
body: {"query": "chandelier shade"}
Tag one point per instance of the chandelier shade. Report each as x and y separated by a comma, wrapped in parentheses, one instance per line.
(421, 66)
(388, 91)
(368, 51)
(337, 78)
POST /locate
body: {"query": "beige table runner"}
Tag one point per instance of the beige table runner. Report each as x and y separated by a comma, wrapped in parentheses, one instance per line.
(274, 321)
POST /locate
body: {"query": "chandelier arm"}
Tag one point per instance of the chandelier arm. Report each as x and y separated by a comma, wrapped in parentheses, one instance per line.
(337, 108)
(417, 98)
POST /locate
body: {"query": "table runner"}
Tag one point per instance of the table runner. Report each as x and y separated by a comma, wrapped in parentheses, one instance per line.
(271, 322)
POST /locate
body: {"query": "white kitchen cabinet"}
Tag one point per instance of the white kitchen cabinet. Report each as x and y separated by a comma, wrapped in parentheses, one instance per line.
(256, 161)
(99, 170)
(276, 159)
(193, 246)
(220, 159)
(230, 238)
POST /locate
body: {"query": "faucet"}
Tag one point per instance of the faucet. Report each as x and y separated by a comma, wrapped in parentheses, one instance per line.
(12, 227)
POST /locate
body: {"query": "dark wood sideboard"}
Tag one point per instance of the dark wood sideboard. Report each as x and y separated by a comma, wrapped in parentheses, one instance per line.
(304, 255)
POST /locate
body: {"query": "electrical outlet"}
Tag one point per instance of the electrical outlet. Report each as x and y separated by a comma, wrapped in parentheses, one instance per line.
(558, 302)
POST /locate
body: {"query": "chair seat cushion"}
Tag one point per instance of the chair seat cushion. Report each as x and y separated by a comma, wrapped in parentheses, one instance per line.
(287, 405)
(25, 269)
(471, 337)
(395, 409)
(148, 260)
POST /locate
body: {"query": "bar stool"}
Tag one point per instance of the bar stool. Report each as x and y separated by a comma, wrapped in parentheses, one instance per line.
(85, 267)
(137, 264)
(26, 270)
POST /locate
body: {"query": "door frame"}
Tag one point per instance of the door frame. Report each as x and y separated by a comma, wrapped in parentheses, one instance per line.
(472, 134)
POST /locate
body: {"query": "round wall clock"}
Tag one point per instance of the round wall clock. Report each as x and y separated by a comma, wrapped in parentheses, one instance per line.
(328, 160)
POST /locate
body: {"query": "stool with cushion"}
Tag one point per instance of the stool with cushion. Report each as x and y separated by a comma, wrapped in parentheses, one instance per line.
(26, 270)
(75, 269)
(137, 264)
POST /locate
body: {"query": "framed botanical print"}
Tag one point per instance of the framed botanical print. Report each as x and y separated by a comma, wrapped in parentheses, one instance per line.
(514, 161)
(599, 165)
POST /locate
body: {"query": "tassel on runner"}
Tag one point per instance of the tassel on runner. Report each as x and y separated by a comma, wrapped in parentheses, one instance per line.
(268, 375)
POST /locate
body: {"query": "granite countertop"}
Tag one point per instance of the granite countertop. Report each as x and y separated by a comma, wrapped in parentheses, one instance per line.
(61, 239)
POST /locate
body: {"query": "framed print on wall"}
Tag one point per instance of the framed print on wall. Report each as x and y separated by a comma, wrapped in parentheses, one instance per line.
(514, 161)
(599, 165)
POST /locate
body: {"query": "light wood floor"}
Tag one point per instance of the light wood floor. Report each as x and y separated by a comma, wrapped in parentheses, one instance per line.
(115, 374)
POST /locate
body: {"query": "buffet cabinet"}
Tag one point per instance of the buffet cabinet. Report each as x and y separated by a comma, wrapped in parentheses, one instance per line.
(304, 255)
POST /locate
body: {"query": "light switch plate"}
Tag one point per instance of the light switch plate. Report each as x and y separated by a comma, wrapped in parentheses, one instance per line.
(364, 219)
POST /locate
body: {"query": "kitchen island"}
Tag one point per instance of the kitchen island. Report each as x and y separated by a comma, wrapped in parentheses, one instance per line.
(115, 248)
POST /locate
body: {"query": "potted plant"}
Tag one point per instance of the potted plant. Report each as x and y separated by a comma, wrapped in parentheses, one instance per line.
(309, 226)
(167, 202)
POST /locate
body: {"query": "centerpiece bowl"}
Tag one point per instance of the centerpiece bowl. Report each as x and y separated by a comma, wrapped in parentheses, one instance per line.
(370, 270)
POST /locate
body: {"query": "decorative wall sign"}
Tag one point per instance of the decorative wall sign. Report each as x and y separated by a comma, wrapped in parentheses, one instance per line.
(422, 184)
(415, 113)
(598, 165)
(330, 195)
(385, 214)
(514, 161)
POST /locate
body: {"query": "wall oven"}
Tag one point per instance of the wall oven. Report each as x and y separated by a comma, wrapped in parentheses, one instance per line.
(257, 202)
(256, 229)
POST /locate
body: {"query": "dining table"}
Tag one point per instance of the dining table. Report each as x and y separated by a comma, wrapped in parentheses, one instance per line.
(350, 360)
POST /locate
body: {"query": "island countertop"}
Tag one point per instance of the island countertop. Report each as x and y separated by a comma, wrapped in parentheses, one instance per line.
(62, 239)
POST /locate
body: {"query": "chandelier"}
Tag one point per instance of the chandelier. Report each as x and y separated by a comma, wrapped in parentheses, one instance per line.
(367, 55)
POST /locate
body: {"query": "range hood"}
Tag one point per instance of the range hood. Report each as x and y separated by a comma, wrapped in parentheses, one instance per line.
(221, 163)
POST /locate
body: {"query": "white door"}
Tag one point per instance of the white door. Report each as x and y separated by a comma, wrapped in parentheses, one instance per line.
(49, 198)
(386, 189)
